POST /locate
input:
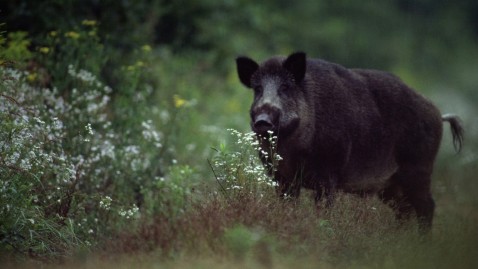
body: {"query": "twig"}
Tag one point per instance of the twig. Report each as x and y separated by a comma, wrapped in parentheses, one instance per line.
(13, 100)
(215, 175)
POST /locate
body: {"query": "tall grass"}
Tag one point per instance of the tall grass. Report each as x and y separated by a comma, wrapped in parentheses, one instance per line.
(253, 228)
(247, 232)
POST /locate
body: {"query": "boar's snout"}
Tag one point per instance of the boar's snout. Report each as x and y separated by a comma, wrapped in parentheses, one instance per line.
(265, 122)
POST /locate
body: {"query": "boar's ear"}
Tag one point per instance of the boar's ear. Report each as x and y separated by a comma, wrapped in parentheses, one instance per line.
(296, 64)
(245, 69)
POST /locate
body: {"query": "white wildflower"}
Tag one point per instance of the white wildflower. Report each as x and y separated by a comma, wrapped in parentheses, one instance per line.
(89, 129)
(39, 121)
(132, 150)
(129, 213)
(105, 203)
(57, 124)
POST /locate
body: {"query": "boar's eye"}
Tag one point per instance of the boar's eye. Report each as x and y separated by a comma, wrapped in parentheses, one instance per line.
(258, 89)
(283, 88)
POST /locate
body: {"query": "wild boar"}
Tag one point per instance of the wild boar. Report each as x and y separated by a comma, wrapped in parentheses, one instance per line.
(353, 130)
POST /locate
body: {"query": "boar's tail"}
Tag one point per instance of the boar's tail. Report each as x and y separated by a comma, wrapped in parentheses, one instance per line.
(457, 130)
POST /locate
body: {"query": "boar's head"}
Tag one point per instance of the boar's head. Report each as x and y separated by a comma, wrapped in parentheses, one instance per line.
(278, 92)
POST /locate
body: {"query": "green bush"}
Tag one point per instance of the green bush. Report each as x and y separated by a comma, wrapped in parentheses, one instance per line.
(14, 47)
(73, 169)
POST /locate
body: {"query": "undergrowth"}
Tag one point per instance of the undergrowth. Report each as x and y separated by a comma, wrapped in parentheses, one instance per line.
(72, 168)
(267, 232)
(243, 223)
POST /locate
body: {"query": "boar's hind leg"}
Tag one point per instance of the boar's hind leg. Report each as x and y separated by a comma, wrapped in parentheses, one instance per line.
(411, 186)
(393, 196)
(421, 199)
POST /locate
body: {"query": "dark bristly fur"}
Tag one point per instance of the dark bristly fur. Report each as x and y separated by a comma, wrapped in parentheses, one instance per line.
(355, 130)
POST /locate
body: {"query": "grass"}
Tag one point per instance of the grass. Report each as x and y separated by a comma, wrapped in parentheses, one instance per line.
(265, 232)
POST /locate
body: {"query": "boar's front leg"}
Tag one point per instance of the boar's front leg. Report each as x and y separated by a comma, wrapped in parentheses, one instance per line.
(330, 194)
(327, 188)
(288, 188)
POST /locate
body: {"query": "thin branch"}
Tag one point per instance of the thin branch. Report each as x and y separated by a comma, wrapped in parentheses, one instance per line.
(215, 175)
(13, 100)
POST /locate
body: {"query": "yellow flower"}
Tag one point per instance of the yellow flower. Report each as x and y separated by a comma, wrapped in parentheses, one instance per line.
(72, 35)
(146, 48)
(32, 77)
(178, 101)
(53, 33)
(44, 50)
(89, 22)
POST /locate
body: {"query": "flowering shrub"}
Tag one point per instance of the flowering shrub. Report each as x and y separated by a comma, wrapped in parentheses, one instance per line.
(66, 175)
(240, 170)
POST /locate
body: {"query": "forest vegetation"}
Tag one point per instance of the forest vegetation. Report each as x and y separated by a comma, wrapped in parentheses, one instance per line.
(125, 138)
